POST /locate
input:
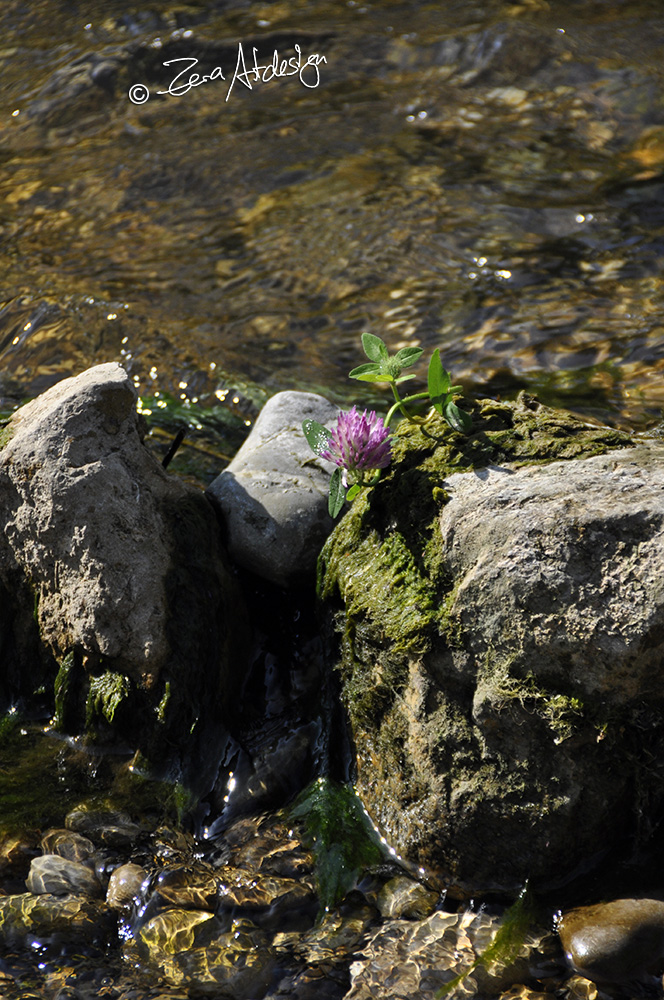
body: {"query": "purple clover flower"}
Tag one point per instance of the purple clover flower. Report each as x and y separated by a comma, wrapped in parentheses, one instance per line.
(358, 443)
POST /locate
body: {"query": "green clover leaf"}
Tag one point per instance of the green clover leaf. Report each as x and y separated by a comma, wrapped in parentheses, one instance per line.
(318, 437)
(458, 419)
(374, 347)
(337, 495)
(407, 356)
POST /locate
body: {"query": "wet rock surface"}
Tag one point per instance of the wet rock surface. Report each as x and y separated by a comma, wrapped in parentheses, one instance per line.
(617, 942)
(273, 494)
(194, 949)
(422, 957)
(402, 898)
(124, 886)
(54, 920)
(67, 844)
(188, 917)
(104, 827)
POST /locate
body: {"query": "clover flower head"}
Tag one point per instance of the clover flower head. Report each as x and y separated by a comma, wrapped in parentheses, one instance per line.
(359, 442)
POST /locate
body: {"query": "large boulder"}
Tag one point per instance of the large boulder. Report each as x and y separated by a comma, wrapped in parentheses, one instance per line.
(499, 603)
(273, 494)
(116, 599)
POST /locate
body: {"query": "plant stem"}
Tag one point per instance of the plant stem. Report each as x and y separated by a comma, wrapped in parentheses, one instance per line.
(399, 405)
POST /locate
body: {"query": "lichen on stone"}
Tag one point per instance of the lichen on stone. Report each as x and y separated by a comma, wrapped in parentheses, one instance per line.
(562, 713)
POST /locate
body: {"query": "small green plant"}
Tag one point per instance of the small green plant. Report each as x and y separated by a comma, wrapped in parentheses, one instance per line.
(343, 841)
(440, 391)
(359, 445)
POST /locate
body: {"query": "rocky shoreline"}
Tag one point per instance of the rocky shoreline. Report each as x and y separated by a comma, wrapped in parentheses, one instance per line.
(490, 616)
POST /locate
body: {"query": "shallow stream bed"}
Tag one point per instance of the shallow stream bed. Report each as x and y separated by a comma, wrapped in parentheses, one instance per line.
(483, 177)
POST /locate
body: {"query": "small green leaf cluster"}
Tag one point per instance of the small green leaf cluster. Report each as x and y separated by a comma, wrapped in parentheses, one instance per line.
(383, 368)
(440, 392)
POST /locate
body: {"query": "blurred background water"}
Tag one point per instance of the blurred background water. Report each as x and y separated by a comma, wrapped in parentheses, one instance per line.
(483, 177)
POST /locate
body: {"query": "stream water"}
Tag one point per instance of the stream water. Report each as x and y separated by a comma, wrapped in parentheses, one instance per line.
(483, 177)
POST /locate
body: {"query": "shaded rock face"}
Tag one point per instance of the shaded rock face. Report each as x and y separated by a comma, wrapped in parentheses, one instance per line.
(502, 644)
(273, 495)
(113, 569)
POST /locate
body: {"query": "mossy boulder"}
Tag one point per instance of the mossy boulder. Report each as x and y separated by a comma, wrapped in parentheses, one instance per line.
(119, 610)
(499, 610)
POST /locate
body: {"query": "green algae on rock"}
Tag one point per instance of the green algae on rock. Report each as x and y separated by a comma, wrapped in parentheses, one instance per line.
(388, 541)
(496, 708)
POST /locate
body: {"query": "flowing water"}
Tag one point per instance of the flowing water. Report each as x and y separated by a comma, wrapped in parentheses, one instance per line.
(483, 177)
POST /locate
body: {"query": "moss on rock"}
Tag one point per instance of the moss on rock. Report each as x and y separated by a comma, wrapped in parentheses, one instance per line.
(107, 693)
(384, 560)
(454, 746)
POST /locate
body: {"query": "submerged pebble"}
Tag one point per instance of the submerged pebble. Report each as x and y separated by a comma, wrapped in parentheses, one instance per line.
(104, 828)
(60, 877)
(194, 948)
(401, 897)
(54, 920)
(419, 958)
(124, 886)
(67, 844)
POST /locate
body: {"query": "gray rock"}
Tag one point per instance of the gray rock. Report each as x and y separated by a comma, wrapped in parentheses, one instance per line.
(273, 495)
(502, 645)
(55, 875)
(114, 569)
(619, 941)
(559, 569)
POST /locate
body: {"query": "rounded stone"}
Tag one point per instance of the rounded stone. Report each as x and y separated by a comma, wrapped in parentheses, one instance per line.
(124, 885)
(67, 844)
(106, 828)
(273, 495)
(406, 900)
(60, 877)
(616, 941)
(194, 949)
